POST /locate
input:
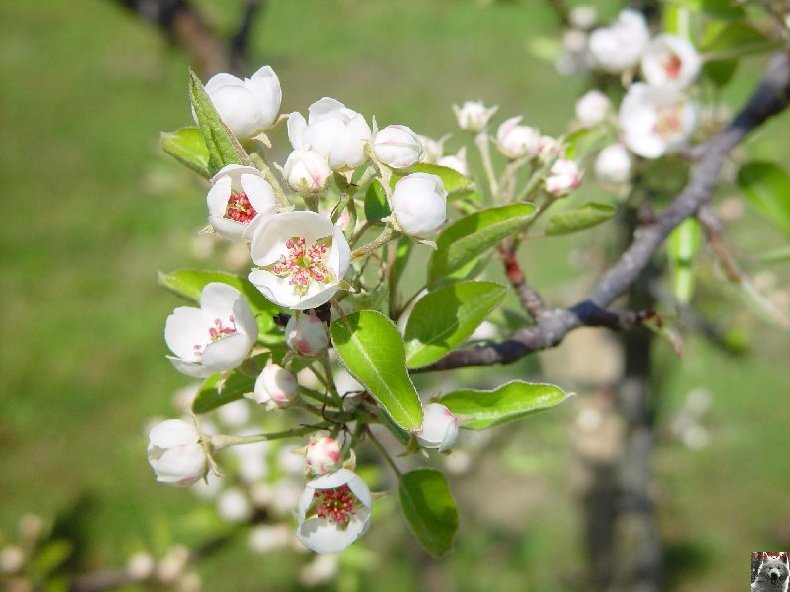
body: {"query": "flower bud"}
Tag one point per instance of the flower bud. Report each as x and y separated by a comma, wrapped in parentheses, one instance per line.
(140, 566)
(234, 506)
(516, 141)
(12, 559)
(613, 164)
(456, 161)
(419, 203)
(307, 171)
(249, 106)
(323, 455)
(439, 427)
(593, 108)
(549, 148)
(275, 387)
(175, 453)
(563, 177)
(473, 116)
(619, 46)
(397, 146)
(432, 150)
(583, 17)
(306, 335)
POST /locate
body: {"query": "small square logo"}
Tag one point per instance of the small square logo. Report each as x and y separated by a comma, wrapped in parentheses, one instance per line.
(770, 571)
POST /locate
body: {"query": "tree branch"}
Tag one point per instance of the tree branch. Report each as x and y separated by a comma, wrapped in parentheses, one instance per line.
(771, 97)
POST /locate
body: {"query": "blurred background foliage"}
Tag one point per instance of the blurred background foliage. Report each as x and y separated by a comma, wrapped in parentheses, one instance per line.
(93, 210)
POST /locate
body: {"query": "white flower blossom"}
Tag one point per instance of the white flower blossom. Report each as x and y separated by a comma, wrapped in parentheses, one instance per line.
(670, 60)
(239, 200)
(217, 336)
(656, 120)
(473, 116)
(563, 177)
(307, 171)
(613, 164)
(419, 203)
(175, 454)
(397, 146)
(336, 132)
(334, 511)
(275, 387)
(301, 258)
(517, 141)
(439, 427)
(619, 46)
(249, 106)
(593, 108)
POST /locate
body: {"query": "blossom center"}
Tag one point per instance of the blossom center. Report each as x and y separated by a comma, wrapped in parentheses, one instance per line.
(304, 263)
(668, 122)
(672, 66)
(240, 209)
(217, 331)
(335, 505)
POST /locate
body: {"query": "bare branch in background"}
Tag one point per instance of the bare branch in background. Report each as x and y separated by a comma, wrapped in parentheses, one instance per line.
(771, 97)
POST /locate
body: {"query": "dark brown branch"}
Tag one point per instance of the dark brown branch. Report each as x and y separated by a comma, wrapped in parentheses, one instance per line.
(530, 299)
(712, 226)
(771, 97)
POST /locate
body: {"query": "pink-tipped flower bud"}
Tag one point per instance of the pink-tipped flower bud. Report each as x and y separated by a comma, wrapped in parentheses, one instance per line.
(473, 116)
(516, 141)
(307, 171)
(306, 335)
(175, 453)
(275, 387)
(419, 203)
(563, 177)
(439, 427)
(323, 455)
(593, 108)
(397, 146)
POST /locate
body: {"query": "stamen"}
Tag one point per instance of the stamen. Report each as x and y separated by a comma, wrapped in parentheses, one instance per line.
(668, 122)
(336, 505)
(240, 209)
(673, 66)
(304, 263)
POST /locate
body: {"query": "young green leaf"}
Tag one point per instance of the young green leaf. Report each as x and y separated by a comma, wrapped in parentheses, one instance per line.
(371, 348)
(223, 147)
(215, 392)
(767, 186)
(429, 508)
(454, 182)
(188, 147)
(376, 206)
(470, 236)
(485, 409)
(581, 218)
(445, 318)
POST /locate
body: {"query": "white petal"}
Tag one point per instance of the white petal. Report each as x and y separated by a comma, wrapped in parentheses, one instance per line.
(185, 328)
(193, 369)
(245, 321)
(230, 229)
(173, 432)
(217, 81)
(322, 536)
(218, 196)
(323, 108)
(227, 353)
(217, 300)
(237, 108)
(260, 193)
(296, 127)
(181, 465)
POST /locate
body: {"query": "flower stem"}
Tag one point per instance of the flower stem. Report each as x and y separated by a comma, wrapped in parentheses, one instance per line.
(481, 141)
(220, 441)
(384, 453)
(386, 235)
(268, 175)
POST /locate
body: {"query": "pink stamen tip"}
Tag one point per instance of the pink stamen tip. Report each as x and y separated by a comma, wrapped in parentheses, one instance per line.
(240, 209)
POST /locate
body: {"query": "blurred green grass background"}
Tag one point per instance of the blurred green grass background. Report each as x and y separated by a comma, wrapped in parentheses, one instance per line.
(93, 211)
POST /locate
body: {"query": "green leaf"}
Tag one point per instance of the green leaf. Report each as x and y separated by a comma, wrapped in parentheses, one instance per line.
(776, 255)
(429, 508)
(445, 318)
(722, 9)
(454, 182)
(188, 147)
(485, 409)
(50, 557)
(581, 218)
(470, 236)
(371, 348)
(767, 186)
(586, 140)
(215, 392)
(376, 206)
(223, 147)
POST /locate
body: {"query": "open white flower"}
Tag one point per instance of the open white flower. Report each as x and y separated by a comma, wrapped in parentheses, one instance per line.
(593, 108)
(175, 453)
(334, 131)
(619, 46)
(397, 146)
(301, 257)
(334, 511)
(473, 116)
(613, 164)
(670, 60)
(249, 106)
(419, 203)
(656, 119)
(517, 141)
(439, 427)
(217, 336)
(307, 171)
(239, 200)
